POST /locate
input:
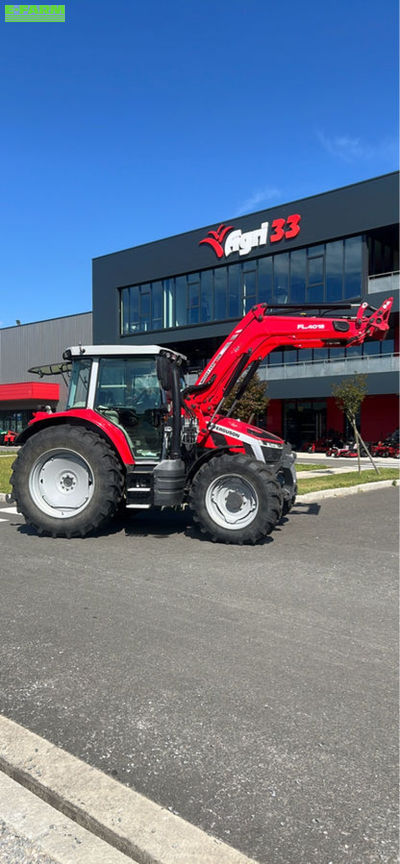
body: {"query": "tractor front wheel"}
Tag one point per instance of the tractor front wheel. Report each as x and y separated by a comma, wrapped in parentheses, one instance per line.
(235, 499)
(67, 481)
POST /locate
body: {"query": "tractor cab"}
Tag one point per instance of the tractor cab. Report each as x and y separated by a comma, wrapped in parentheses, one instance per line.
(133, 388)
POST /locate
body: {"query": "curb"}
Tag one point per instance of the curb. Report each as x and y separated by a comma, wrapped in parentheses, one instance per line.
(126, 820)
(342, 491)
(41, 830)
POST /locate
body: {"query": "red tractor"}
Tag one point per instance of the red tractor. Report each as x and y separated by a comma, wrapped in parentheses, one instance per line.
(9, 438)
(133, 433)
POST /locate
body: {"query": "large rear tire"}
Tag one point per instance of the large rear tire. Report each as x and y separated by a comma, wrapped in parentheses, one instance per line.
(235, 499)
(67, 481)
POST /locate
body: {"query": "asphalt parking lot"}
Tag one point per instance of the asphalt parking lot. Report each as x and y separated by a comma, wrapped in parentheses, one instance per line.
(251, 690)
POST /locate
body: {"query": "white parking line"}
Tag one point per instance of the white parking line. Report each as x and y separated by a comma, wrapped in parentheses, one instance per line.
(8, 509)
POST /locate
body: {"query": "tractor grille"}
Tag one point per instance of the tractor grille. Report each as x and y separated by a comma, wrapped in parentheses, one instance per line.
(271, 454)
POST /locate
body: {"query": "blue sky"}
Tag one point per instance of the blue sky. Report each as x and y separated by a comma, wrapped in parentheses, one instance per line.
(134, 121)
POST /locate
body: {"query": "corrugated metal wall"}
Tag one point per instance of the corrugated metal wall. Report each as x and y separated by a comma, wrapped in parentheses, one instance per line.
(41, 342)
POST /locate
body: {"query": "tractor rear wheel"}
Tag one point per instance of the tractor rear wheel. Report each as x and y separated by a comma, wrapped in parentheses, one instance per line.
(67, 481)
(235, 499)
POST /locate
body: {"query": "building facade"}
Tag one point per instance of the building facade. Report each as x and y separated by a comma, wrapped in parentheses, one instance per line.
(189, 291)
(27, 345)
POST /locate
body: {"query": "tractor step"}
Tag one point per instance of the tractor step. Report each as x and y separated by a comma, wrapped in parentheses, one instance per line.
(139, 485)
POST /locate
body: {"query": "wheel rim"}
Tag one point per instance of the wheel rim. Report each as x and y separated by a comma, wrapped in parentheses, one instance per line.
(232, 501)
(61, 483)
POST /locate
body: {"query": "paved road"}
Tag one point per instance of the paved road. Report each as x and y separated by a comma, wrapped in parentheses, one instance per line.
(252, 690)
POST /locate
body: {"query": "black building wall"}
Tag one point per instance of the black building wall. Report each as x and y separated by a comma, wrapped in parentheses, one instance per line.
(340, 213)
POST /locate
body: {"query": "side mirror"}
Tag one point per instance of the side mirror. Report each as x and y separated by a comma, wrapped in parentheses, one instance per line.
(164, 372)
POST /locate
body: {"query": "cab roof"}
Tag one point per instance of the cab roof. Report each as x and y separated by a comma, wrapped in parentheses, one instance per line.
(120, 351)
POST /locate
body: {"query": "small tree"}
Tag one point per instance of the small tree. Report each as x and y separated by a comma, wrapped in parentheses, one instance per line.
(253, 401)
(349, 395)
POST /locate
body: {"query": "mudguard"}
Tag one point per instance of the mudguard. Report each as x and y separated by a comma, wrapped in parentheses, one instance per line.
(88, 418)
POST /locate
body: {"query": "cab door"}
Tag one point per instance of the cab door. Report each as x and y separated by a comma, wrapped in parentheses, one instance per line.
(128, 394)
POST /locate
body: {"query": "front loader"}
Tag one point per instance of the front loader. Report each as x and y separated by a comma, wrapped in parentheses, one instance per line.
(134, 435)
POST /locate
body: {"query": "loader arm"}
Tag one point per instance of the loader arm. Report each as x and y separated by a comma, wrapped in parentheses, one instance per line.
(259, 333)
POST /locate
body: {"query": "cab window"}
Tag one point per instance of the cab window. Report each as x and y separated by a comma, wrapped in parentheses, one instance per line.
(79, 384)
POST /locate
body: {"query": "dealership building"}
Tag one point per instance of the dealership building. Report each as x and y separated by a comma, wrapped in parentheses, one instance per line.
(188, 292)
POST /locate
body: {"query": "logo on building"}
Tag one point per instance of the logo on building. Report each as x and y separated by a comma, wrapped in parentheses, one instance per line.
(27, 13)
(244, 241)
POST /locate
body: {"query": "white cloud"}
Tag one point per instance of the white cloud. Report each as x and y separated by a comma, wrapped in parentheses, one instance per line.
(257, 199)
(352, 149)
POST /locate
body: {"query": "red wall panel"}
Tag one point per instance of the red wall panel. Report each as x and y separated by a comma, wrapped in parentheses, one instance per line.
(274, 417)
(379, 416)
(334, 417)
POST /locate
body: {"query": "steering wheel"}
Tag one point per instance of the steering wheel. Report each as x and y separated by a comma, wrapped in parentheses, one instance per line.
(127, 415)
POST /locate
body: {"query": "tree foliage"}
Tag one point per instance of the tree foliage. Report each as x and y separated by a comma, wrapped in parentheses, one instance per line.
(349, 395)
(253, 402)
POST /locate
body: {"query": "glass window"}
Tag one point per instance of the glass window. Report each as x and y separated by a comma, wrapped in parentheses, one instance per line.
(298, 276)
(315, 270)
(305, 355)
(281, 278)
(206, 295)
(168, 302)
(79, 384)
(128, 382)
(354, 351)
(156, 305)
(336, 353)
(276, 357)
(235, 291)
(145, 307)
(220, 292)
(180, 300)
(134, 309)
(194, 302)
(128, 392)
(334, 271)
(249, 290)
(388, 346)
(352, 266)
(372, 347)
(265, 280)
(290, 355)
(125, 313)
(315, 294)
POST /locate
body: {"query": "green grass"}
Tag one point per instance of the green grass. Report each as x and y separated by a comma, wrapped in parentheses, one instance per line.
(353, 478)
(308, 467)
(312, 484)
(5, 471)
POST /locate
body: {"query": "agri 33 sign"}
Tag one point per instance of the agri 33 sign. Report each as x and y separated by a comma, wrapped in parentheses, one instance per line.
(226, 239)
(28, 13)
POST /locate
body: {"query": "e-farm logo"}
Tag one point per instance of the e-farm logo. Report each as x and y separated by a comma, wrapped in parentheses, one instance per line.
(26, 13)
